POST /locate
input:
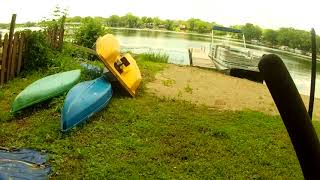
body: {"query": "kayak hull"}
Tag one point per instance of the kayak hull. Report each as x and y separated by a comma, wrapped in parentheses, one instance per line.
(83, 101)
(45, 88)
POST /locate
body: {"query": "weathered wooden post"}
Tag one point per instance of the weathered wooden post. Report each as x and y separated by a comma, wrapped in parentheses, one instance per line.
(61, 32)
(21, 45)
(14, 55)
(4, 59)
(9, 50)
(54, 36)
(1, 53)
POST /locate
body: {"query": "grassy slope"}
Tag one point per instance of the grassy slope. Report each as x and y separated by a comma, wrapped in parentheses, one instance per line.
(149, 137)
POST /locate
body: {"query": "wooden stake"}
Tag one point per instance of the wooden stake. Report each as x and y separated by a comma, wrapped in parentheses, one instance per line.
(9, 51)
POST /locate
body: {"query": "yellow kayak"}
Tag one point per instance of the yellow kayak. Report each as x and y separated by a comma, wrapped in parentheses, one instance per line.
(124, 67)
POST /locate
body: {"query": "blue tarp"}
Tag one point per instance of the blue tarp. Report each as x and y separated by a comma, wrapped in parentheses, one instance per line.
(23, 164)
(226, 29)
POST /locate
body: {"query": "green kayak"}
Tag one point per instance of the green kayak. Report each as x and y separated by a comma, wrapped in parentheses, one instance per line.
(46, 88)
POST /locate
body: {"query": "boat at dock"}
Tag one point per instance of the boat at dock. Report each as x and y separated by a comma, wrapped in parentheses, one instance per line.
(237, 61)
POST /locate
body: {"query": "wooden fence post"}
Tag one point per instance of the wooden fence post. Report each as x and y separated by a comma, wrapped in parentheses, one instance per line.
(4, 59)
(61, 32)
(15, 46)
(12, 25)
(21, 49)
(1, 54)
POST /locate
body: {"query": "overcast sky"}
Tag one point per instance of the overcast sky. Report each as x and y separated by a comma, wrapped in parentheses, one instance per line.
(268, 13)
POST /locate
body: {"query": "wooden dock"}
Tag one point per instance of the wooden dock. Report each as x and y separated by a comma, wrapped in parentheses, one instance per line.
(199, 58)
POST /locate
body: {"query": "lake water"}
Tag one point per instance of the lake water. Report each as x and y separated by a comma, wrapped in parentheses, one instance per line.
(177, 44)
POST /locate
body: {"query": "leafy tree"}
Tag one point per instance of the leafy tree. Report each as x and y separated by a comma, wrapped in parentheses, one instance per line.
(100, 19)
(270, 35)
(169, 25)
(191, 24)
(284, 36)
(157, 21)
(202, 27)
(294, 38)
(38, 53)
(198, 25)
(89, 31)
(251, 31)
(130, 20)
(74, 19)
(144, 19)
(4, 26)
(58, 18)
(113, 21)
(30, 24)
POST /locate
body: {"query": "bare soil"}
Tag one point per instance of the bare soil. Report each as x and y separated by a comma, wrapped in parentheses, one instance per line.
(216, 90)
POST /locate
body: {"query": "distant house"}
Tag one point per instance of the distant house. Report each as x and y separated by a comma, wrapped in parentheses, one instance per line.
(298, 51)
(72, 23)
(149, 25)
(285, 48)
(254, 41)
(182, 27)
(162, 26)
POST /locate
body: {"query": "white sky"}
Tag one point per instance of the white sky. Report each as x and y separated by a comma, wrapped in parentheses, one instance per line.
(265, 13)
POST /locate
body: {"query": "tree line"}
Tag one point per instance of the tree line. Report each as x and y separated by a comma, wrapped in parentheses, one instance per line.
(131, 21)
(285, 37)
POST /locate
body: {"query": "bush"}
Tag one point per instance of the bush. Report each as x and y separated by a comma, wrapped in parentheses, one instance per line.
(89, 31)
(38, 53)
(155, 57)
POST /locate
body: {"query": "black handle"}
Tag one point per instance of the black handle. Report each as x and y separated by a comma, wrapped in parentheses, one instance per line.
(313, 71)
(293, 114)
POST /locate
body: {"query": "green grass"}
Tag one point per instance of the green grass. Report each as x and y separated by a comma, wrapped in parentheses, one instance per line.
(151, 138)
(168, 82)
(155, 57)
(188, 89)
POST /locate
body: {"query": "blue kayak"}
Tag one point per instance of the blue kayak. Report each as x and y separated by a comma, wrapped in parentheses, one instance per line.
(84, 100)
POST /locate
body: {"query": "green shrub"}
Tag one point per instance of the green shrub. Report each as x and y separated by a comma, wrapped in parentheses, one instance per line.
(155, 57)
(38, 53)
(89, 31)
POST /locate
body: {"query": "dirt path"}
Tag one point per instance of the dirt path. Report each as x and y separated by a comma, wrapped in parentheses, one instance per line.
(215, 90)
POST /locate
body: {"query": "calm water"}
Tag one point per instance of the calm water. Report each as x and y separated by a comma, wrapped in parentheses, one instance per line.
(176, 45)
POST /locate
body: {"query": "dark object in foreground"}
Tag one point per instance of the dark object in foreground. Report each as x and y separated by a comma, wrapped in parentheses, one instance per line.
(251, 75)
(293, 114)
(23, 164)
(313, 72)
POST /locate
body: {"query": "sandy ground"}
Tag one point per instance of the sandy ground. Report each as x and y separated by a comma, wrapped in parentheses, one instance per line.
(216, 90)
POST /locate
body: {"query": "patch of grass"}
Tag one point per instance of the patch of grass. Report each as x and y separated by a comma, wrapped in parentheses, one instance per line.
(168, 82)
(179, 93)
(188, 89)
(148, 71)
(154, 57)
(149, 138)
